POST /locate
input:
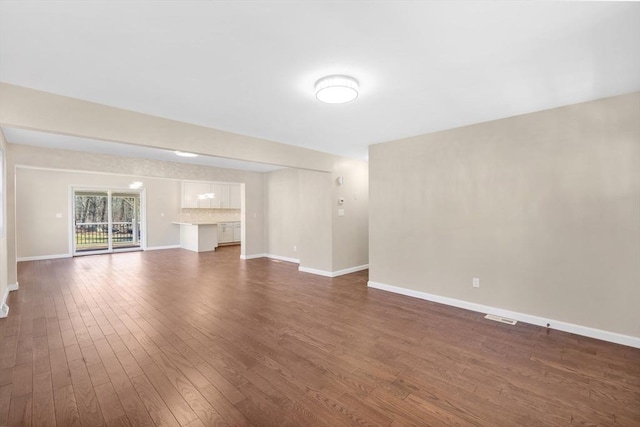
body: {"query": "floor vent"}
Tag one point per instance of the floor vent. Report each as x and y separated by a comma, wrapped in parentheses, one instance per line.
(500, 319)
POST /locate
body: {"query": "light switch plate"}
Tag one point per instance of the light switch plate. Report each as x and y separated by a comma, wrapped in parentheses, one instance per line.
(340, 212)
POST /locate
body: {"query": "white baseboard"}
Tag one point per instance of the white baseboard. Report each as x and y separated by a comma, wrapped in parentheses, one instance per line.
(315, 271)
(253, 256)
(282, 258)
(4, 308)
(333, 273)
(350, 270)
(586, 331)
(271, 256)
(43, 257)
(160, 248)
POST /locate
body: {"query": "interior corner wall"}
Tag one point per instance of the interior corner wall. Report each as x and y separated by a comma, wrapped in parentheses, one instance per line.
(350, 231)
(543, 208)
(4, 265)
(282, 213)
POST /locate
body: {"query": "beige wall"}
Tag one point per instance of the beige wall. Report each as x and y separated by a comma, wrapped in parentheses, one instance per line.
(544, 208)
(41, 194)
(315, 207)
(4, 276)
(350, 241)
(282, 213)
(160, 179)
(302, 211)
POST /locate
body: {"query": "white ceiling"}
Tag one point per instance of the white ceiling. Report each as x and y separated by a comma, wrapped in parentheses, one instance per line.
(250, 66)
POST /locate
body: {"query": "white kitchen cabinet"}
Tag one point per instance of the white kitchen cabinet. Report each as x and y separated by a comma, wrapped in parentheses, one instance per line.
(234, 196)
(210, 195)
(223, 190)
(216, 201)
(194, 194)
(229, 196)
(198, 237)
(237, 231)
(225, 232)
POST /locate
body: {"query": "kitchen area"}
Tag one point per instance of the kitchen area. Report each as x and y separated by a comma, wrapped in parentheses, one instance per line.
(210, 215)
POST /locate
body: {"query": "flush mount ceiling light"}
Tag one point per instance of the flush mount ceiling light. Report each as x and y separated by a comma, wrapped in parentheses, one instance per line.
(184, 154)
(336, 89)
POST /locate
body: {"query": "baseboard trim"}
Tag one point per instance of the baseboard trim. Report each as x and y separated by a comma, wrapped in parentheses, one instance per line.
(282, 258)
(350, 270)
(4, 311)
(252, 256)
(4, 308)
(315, 271)
(43, 257)
(271, 256)
(13, 286)
(586, 331)
(333, 273)
(160, 248)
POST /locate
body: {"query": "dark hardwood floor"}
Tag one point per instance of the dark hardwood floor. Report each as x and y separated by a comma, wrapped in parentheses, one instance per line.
(178, 338)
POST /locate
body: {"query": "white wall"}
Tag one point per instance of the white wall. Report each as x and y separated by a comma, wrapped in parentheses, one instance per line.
(544, 208)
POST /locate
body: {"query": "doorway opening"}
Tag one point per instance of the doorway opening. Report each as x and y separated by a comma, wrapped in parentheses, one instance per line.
(106, 221)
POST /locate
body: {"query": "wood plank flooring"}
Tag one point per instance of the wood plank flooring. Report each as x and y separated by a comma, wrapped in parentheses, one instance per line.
(175, 338)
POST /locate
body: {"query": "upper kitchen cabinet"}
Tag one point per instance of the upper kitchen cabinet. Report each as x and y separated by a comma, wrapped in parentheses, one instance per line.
(210, 195)
(233, 200)
(196, 194)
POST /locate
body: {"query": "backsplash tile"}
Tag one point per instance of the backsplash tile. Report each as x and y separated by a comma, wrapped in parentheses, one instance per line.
(209, 215)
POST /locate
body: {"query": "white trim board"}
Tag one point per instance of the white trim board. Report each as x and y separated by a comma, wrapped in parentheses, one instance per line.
(252, 256)
(521, 317)
(308, 269)
(42, 257)
(270, 256)
(160, 248)
(4, 308)
(333, 273)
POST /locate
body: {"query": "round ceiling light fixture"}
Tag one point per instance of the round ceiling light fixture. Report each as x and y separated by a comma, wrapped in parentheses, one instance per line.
(336, 89)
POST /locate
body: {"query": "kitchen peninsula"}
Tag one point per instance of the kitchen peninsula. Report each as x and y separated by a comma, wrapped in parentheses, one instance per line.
(198, 237)
(206, 236)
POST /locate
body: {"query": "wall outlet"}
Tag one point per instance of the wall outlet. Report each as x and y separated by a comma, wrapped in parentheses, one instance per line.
(476, 282)
(58, 215)
(295, 248)
(340, 212)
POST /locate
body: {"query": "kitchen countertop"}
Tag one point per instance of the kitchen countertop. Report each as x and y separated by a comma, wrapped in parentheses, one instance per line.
(201, 223)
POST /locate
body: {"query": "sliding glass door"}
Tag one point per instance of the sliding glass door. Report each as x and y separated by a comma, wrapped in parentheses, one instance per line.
(106, 221)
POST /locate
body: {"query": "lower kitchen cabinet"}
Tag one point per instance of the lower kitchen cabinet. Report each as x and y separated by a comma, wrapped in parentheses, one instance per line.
(229, 232)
